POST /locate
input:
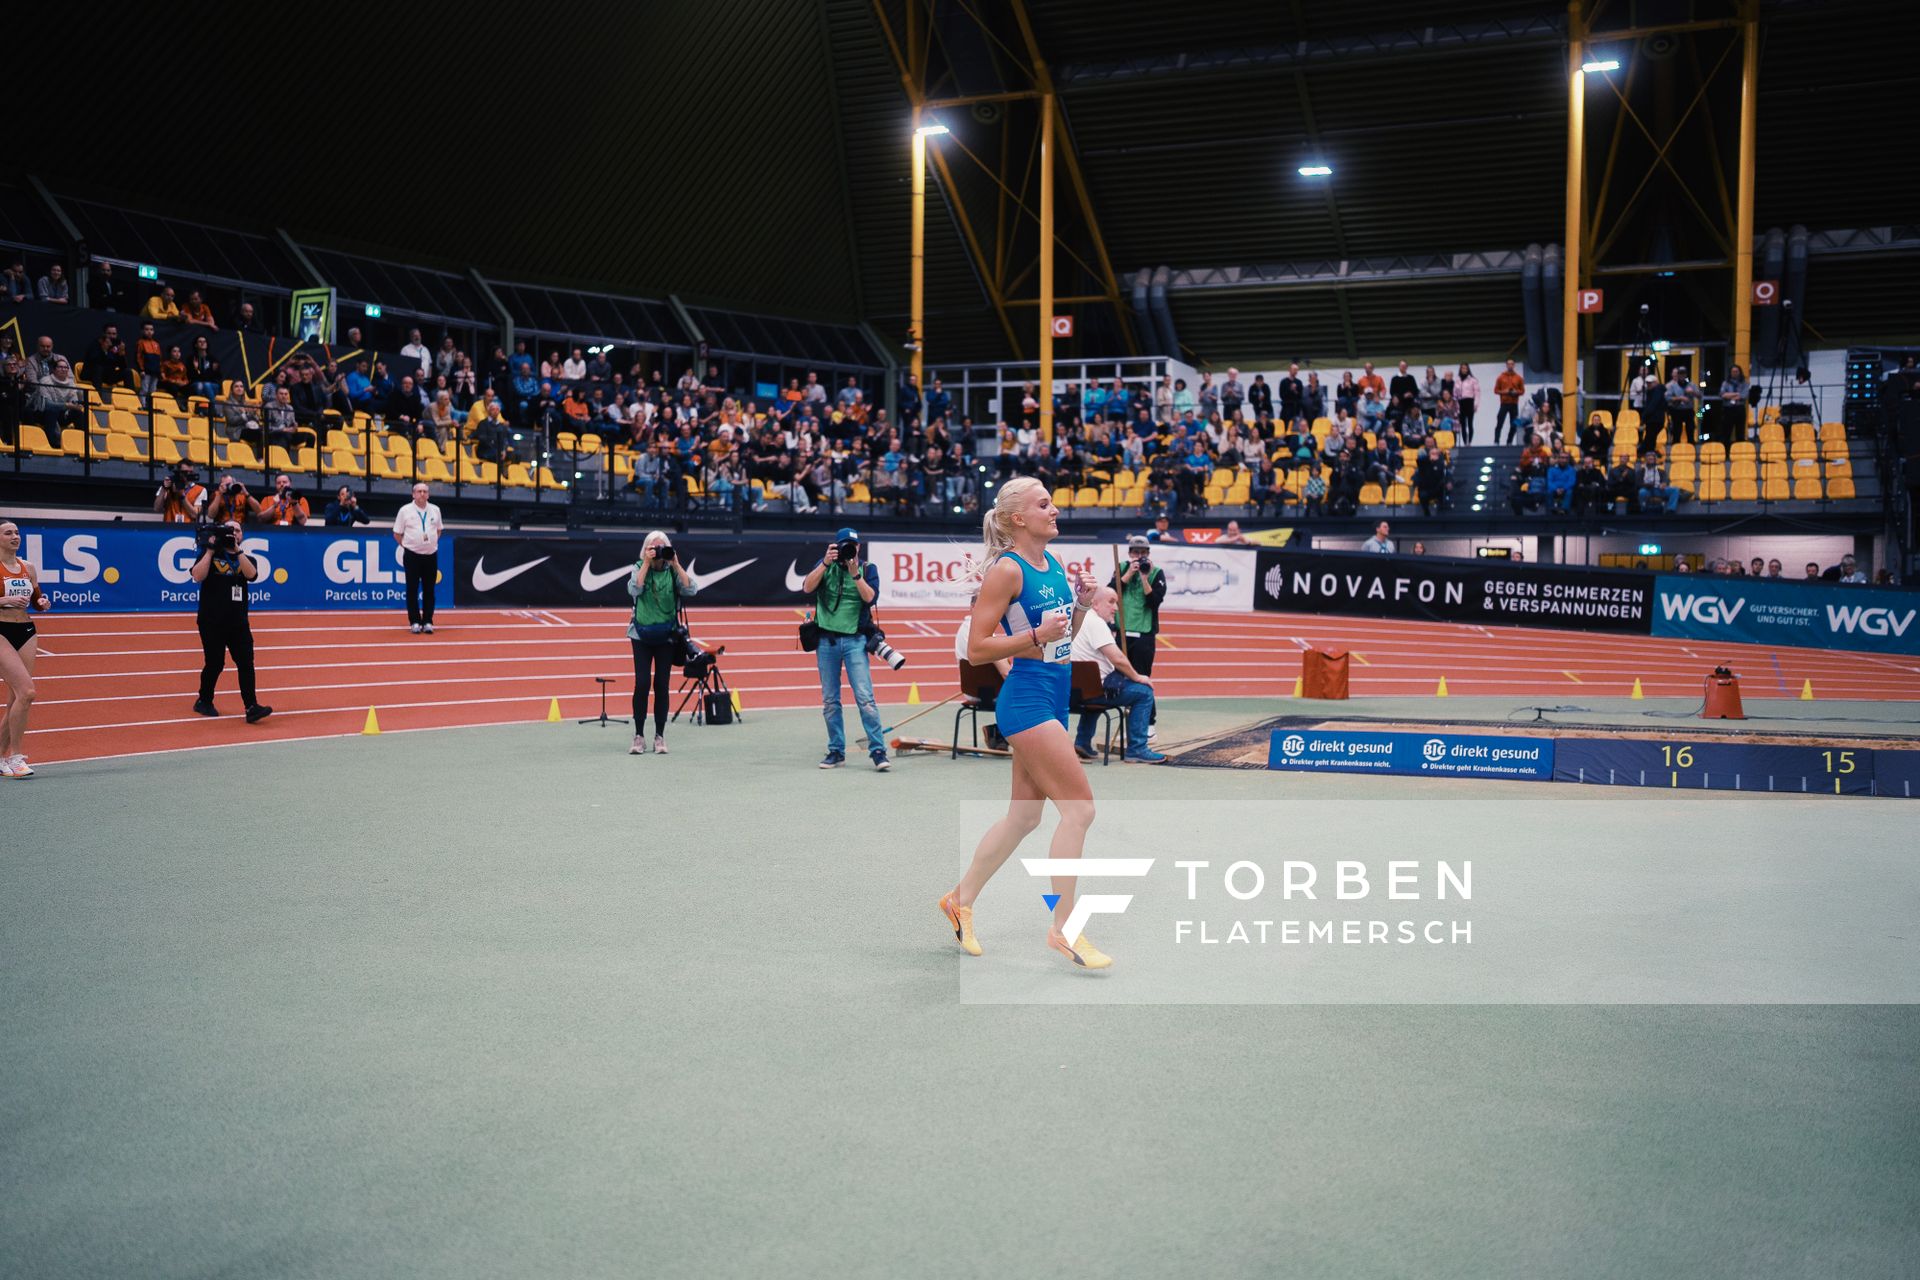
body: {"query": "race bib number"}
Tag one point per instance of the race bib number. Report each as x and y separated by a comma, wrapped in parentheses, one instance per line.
(1060, 650)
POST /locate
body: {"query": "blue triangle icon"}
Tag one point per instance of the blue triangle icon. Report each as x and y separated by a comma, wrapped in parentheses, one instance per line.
(1051, 899)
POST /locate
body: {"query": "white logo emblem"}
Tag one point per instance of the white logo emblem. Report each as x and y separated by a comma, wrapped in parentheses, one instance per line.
(484, 581)
(1088, 905)
(796, 581)
(591, 582)
(1275, 582)
(1434, 750)
(701, 581)
(1292, 745)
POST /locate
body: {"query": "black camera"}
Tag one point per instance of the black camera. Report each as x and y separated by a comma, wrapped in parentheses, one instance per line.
(849, 551)
(663, 551)
(877, 646)
(224, 539)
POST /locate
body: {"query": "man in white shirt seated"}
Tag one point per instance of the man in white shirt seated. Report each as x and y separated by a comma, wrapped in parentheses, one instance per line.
(991, 733)
(1095, 643)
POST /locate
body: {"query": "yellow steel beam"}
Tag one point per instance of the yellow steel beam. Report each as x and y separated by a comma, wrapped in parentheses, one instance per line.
(1046, 268)
(1743, 224)
(1576, 172)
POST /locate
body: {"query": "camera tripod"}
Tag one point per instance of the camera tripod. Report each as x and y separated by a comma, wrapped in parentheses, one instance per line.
(706, 680)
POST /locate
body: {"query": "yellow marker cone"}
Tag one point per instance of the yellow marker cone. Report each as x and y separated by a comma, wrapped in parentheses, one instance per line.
(913, 695)
(553, 712)
(1636, 695)
(1298, 683)
(373, 722)
(1806, 691)
(735, 694)
(1441, 692)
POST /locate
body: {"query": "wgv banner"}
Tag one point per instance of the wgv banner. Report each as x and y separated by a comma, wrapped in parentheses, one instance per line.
(934, 574)
(1491, 592)
(145, 568)
(1807, 615)
(1443, 755)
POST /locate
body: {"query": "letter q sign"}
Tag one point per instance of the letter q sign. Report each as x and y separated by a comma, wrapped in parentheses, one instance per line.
(1766, 293)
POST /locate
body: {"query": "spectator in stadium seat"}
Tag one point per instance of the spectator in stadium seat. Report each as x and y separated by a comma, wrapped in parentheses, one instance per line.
(311, 398)
(1680, 406)
(1733, 399)
(404, 407)
(1431, 481)
(53, 286)
(1560, 482)
(415, 358)
(1509, 388)
(1370, 412)
(196, 311)
(161, 308)
(1233, 394)
(146, 361)
(106, 360)
(446, 361)
(40, 363)
(1653, 485)
(244, 321)
(1466, 390)
(103, 290)
(173, 377)
(1774, 569)
(1590, 487)
(281, 419)
(1848, 571)
(1430, 389)
(1371, 381)
(203, 371)
(939, 403)
(1403, 393)
(1120, 682)
(58, 400)
(1381, 543)
(284, 506)
(19, 286)
(1446, 414)
(236, 416)
(1313, 399)
(440, 418)
(1313, 492)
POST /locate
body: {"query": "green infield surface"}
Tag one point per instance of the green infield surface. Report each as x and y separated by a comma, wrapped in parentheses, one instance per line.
(509, 1002)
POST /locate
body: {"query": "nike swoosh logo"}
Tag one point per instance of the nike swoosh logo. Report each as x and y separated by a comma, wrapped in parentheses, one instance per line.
(796, 581)
(484, 581)
(702, 581)
(591, 582)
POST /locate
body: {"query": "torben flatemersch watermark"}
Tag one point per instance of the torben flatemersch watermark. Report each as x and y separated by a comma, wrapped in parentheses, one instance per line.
(1246, 881)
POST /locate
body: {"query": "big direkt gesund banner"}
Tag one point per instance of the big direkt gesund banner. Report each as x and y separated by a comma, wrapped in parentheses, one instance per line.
(934, 574)
(1809, 615)
(1485, 591)
(142, 568)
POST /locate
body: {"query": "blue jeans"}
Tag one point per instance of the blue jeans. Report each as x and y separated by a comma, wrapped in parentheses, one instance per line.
(1670, 495)
(850, 652)
(1137, 698)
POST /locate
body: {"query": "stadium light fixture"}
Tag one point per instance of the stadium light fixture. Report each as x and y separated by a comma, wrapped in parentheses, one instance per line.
(932, 130)
(1316, 171)
(1601, 64)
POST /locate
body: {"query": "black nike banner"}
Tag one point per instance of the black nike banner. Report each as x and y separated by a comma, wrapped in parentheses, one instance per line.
(1496, 592)
(529, 572)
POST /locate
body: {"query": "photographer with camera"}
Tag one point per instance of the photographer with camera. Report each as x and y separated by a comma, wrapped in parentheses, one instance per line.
(843, 590)
(417, 527)
(231, 501)
(656, 586)
(1142, 587)
(180, 497)
(223, 571)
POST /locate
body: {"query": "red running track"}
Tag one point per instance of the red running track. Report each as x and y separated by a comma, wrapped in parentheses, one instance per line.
(121, 684)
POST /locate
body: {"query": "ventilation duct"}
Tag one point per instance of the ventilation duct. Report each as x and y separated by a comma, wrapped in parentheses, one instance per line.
(1553, 307)
(1767, 352)
(1142, 316)
(1162, 314)
(1530, 309)
(1794, 290)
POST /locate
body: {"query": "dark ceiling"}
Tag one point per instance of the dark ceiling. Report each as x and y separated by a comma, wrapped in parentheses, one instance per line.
(753, 153)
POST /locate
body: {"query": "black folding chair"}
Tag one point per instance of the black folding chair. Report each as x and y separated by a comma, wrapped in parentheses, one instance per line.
(1089, 697)
(979, 686)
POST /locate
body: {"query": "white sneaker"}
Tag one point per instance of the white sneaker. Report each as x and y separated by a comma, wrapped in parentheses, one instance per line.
(1152, 733)
(659, 744)
(415, 628)
(428, 628)
(15, 766)
(639, 747)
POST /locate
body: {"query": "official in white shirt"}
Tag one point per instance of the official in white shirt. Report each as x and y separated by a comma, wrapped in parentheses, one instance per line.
(1094, 642)
(417, 529)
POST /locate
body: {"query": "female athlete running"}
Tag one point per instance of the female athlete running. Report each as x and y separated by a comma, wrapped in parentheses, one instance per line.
(1028, 609)
(19, 591)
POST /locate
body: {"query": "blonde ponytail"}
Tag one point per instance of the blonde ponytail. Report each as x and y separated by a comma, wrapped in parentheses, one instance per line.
(996, 527)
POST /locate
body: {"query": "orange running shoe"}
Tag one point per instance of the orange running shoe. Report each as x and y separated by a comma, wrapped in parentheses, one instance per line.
(1082, 952)
(961, 918)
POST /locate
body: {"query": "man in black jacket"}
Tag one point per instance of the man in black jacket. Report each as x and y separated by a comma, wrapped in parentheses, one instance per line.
(1260, 397)
(106, 363)
(1142, 586)
(1292, 394)
(1403, 393)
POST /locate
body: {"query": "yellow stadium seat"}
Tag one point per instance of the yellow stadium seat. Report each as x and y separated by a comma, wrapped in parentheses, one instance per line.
(565, 441)
(1806, 487)
(1839, 467)
(1803, 433)
(1834, 448)
(1840, 487)
(1772, 433)
(1711, 487)
(1221, 477)
(434, 470)
(1744, 469)
(1744, 490)
(127, 398)
(1804, 449)
(168, 427)
(518, 476)
(1629, 417)
(623, 464)
(385, 467)
(300, 462)
(549, 481)
(1683, 452)
(1683, 472)
(589, 442)
(34, 438)
(1741, 449)
(859, 493)
(484, 473)
(198, 452)
(1240, 493)
(1086, 496)
(1833, 431)
(342, 462)
(1775, 489)
(1770, 414)
(1399, 495)
(1445, 440)
(1713, 451)
(1215, 495)
(1371, 495)
(124, 448)
(1063, 497)
(1774, 452)
(240, 454)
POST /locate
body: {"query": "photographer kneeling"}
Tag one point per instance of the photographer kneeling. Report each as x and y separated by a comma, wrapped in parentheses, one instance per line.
(1094, 642)
(843, 591)
(656, 587)
(223, 572)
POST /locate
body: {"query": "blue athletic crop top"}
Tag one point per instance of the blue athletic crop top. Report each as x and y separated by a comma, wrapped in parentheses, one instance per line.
(1042, 592)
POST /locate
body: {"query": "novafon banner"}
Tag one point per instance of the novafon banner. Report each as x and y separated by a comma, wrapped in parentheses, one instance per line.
(1807, 615)
(934, 574)
(147, 568)
(1480, 591)
(1444, 755)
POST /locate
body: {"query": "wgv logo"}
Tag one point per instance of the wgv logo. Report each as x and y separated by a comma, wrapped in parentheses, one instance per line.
(1087, 905)
(1709, 611)
(77, 563)
(1874, 620)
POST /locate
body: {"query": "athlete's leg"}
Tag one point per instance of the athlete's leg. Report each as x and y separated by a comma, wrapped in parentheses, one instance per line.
(16, 668)
(1057, 773)
(1004, 836)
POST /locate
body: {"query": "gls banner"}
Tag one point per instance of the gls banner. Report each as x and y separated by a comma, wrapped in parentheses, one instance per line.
(1486, 591)
(1807, 615)
(1446, 755)
(146, 568)
(934, 574)
(563, 572)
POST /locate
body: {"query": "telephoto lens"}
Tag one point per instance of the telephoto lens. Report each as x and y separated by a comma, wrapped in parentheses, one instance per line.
(877, 646)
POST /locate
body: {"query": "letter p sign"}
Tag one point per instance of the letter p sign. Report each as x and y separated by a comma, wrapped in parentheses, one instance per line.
(1587, 301)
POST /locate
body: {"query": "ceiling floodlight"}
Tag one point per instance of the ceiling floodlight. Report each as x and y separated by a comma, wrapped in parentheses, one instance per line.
(931, 130)
(1316, 171)
(1601, 64)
